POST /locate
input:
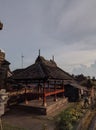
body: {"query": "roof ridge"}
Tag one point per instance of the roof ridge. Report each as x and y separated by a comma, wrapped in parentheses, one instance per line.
(50, 62)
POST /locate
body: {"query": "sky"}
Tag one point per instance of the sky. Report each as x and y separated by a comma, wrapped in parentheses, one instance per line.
(63, 28)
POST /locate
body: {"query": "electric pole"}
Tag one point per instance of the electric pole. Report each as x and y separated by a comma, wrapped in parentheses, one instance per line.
(22, 57)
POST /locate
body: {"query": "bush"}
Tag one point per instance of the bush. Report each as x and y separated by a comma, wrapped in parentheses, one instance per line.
(68, 117)
(63, 124)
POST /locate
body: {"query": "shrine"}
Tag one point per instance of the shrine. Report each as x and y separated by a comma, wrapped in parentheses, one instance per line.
(45, 79)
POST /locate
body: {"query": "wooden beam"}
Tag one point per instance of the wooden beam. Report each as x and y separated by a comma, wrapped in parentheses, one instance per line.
(54, 92)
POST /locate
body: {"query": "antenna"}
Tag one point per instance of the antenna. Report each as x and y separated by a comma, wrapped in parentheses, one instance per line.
(53, 57)
(22, 56)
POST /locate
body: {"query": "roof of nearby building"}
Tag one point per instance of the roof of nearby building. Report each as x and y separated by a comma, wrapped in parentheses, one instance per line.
(17, 71)
(76, 85)
(42, 69)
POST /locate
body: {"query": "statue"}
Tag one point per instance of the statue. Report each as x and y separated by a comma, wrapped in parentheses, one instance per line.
(3, 101)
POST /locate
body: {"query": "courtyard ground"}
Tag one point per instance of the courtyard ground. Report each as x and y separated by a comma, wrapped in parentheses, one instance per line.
(29, 121)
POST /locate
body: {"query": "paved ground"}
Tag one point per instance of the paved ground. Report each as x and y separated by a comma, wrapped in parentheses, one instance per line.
(30, 121)
(21, 118)
(24, 118)
(93, 123)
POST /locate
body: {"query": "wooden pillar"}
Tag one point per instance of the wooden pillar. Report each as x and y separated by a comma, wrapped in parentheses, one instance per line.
(55, 95)
(48, 87)
(39, 91)
(26, 101)
(44, 95)
(63, 88)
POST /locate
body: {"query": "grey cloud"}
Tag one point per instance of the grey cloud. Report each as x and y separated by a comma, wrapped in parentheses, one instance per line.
(63, 20)
(73, 23)
(54, 26)
(83, 69)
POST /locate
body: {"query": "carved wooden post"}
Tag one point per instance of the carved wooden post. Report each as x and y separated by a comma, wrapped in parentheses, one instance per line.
(39, 91)
(48, 87)
(55, 95)
(63, 88)
(44, 95)
(26, 101)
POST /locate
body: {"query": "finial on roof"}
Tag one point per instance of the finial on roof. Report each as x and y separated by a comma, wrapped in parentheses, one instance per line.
(39, 52)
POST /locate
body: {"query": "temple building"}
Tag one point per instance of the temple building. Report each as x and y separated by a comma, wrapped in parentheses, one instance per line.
(46, 75)
(46, 81)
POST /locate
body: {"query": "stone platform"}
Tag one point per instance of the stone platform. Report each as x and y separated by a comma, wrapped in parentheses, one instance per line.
(36, 106)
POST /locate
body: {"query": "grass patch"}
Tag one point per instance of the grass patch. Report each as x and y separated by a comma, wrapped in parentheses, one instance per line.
(69, 118)
(10, 127)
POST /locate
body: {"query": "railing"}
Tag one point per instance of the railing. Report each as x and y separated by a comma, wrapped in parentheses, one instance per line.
(54, 92)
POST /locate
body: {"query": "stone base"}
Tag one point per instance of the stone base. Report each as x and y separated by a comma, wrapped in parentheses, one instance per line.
(35, 107)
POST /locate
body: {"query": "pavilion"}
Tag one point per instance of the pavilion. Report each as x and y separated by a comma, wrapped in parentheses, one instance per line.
(48, 77)
(46, 80)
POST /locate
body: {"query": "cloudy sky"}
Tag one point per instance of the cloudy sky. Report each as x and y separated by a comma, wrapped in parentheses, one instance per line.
(63, 28)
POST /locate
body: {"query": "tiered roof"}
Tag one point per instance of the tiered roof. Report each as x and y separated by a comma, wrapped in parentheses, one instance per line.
(40, 70)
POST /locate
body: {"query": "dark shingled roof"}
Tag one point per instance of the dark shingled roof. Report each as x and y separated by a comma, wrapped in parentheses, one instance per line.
(17, 71)
(41, 69)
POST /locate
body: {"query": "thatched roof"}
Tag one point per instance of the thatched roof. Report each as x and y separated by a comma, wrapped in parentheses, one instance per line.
(40, 70)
